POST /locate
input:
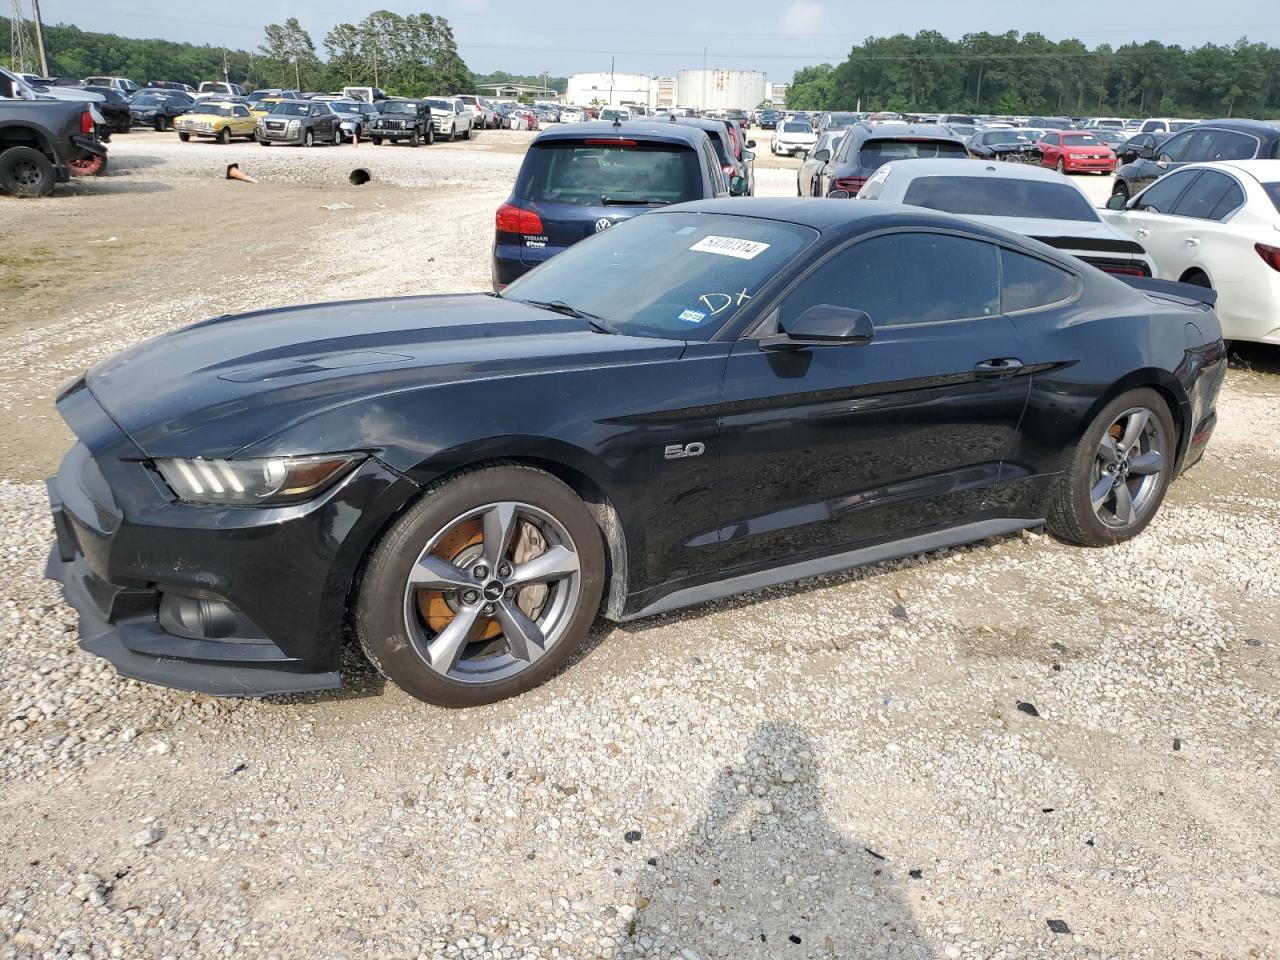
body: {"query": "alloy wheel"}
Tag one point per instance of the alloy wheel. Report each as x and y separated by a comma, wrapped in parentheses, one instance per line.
(492, 592)
(1127, 468)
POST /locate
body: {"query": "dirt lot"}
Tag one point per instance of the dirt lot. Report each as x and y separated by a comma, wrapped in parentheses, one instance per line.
(841, 768)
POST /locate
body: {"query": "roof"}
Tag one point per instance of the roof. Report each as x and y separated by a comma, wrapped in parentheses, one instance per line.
(978, 168)
(835, 217)
(660, 130)
(1264, 171)
(893, 130)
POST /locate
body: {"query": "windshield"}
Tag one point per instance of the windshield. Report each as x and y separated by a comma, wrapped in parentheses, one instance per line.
(1000, 197)
(876, 152)
(962, 129)
(1080, 140)
(1003, 136)
(214, 108)
(792, 126)
(673, 275)
(290, 109)
(148, 99)
(259, 94)
(602, 173)
(445, 105)
(345, 107)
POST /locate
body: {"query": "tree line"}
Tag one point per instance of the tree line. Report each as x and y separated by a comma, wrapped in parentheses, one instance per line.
(1008, 74)
(411, 55)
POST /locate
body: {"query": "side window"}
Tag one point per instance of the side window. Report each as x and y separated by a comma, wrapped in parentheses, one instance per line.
(713, 168)
(1051, 139)
(1211, 197)
(1028, 283)
(1228, 145)
(904, 278)
(1161, 195)
(1175, 147)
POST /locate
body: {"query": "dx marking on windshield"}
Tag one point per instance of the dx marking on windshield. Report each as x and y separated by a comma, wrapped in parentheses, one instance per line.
(682, 451)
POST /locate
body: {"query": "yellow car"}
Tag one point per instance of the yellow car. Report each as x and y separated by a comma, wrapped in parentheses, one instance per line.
(262, 106)
(218, 119)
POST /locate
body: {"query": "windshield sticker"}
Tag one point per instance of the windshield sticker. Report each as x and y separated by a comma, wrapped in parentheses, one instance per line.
(692, 316)
(731, 247)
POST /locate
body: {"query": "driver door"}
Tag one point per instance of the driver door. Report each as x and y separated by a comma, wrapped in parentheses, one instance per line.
(827, 448)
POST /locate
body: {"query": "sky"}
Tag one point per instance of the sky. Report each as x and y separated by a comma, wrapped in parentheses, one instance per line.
(664, 36)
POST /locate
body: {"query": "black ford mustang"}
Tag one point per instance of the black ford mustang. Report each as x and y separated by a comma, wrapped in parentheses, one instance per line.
(701, 401)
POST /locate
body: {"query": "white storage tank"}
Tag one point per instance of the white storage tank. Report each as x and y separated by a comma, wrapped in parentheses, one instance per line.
(717, 89)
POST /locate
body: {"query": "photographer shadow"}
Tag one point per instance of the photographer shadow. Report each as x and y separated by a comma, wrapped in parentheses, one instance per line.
(767, 876)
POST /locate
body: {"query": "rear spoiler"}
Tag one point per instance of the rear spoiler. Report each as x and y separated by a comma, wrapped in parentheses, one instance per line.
(1187, 293)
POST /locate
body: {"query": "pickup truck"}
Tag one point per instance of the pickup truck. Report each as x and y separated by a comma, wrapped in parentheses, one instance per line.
(40, 141)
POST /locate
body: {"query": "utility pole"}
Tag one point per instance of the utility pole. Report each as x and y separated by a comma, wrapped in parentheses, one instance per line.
(703, 105)
(612, 61)
(297, 76)
(226, 72)
(35, 12)
(375, 66)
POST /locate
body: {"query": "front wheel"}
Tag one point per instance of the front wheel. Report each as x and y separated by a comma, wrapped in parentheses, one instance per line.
(184, 137)
(484, 588)
(1116, 476)
(337, 136)
(1062, 166)
(224, 135)
(466, 134)
(309, 139)
(413, 139)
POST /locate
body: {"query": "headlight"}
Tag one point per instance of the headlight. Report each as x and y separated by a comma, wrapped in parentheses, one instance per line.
(294, 125)
(268, 480)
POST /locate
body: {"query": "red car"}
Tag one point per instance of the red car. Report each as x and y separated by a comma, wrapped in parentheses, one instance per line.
(1076, 151)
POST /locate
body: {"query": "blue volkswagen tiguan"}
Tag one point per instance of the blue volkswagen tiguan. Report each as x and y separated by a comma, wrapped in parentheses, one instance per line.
(581, 178)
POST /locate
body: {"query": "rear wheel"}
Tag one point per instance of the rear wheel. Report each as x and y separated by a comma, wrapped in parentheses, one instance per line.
(26, 172)
(484, 588)
(430, 135)
(1116, 477)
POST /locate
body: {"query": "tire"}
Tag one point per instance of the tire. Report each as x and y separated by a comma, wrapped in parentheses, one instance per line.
(337, 136)
(158, 123)
(431, 135)
(466, 134)
(1074, 515)
(184, 137)
(377, 141)
(395, 621)
(94, 165)
(224, 135)
(413, 139)
(1062, 166)
(309, 139)
(453, 134)
(26, 172)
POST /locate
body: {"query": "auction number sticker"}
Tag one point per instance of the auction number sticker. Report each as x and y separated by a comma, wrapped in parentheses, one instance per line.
(731, 247)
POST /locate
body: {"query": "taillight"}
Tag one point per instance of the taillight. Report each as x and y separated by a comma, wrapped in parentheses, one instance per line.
(1270, 254)
(1127, 270)
(86, 122)
(513, 219)
(852, 184)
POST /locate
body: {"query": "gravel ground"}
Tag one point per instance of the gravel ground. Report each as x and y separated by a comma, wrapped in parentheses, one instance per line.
(1012, 750)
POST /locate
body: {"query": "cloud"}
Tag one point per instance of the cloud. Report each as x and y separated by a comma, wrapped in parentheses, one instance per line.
(803, 17)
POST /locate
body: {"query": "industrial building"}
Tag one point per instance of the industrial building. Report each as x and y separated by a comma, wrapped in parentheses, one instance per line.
(613, 89)
(719, 89)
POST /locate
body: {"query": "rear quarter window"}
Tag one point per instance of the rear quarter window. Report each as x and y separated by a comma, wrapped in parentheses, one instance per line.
(1028, 283)
(590, 174)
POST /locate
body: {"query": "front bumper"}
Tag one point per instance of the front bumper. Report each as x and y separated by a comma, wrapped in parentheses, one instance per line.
(1088, 165)
(264, 135)
(135, 563)
(398, 133)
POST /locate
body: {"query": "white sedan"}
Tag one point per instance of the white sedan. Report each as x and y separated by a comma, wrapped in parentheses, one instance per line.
(791, 136)
(1216, 225)
(1037, 203)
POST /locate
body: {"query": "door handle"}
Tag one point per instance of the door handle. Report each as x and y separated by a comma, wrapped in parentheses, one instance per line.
(999, 367)
(1143, 232)
(1192, 241)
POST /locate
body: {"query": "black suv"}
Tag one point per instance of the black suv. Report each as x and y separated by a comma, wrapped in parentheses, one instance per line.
(739, 172)
(408, 120)
(866, 147)
(1211, 140)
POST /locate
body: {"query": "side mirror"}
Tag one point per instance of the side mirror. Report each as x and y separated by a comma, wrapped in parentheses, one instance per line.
(822, 155)
(823, 325)
(1126, 154)
(738, 186)
(839, 195)
(1146, 153)
(748, 156)
(1117, 201)
(1162, 161)
(751, 144)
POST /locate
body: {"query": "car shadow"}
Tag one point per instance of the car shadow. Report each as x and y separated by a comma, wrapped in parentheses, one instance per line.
(1254, 357)
(765, 872)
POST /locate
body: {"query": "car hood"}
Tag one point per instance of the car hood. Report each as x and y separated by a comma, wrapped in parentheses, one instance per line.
(215, 387)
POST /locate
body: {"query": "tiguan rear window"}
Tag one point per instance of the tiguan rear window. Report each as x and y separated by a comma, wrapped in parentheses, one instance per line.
(877, 152)
(600, 173)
